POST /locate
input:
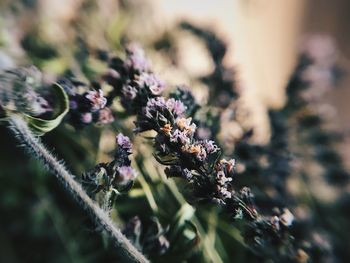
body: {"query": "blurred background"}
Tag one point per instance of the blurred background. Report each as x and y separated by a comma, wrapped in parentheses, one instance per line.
(38, 222)
(263, 36)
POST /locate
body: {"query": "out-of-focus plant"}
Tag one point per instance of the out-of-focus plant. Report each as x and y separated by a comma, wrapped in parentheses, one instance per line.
(87, 105)
(20, 93)
(300, 144)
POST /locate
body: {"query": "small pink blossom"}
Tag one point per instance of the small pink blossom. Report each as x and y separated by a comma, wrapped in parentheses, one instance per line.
(97, 100)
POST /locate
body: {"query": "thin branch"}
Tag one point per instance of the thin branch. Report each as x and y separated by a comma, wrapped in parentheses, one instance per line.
(36, 149)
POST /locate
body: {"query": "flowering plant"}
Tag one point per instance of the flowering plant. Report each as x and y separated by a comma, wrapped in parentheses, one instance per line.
(165, 176)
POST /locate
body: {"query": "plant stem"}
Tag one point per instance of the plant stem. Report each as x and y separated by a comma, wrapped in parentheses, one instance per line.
(36, 149)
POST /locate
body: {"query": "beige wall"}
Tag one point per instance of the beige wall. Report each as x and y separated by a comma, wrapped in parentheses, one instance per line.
(264, 37)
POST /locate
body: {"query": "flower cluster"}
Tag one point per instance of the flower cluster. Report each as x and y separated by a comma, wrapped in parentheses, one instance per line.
(133, 80)
(113, 177)
(177, 147)
(195, 160)
(86, 105)
(224, 170)
(183, 94)
(20, 92)
(175, 141)
(136, 60)
(159, 114)
(318, 54)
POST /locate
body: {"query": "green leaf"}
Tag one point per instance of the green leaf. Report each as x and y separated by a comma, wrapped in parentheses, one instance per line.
(183, 216)
(41, 126)
(185, 213)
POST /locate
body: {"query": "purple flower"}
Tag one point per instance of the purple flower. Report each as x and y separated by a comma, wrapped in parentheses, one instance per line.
(129, 92)
(187, 174)
(177, 171)
(73, 104)
(179, 136)
(154, 106)
(159, 102)
(210, 146)
(228, 165)
(136, 59)
(126, 174)
(96, 99)
(321, 49)
(124, 143)
(203, 133)
(183, 123)
(222, 179)
(196, 149)
(224, 193)
(105, 116)
(176, 106)
(186, 126)
(24, 99)
(86, 117)
(201, 155)
(150, 80)
(320, 79)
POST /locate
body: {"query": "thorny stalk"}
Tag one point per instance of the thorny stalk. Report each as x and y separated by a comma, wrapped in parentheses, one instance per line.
(35, 148)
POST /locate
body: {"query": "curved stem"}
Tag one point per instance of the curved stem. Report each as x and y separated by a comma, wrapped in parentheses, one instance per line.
(34, 147)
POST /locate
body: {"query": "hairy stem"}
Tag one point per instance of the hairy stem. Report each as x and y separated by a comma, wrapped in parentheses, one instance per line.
(36, 149)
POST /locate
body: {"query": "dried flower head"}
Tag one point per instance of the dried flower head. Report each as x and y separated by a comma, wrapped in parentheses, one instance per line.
(166, 129)
(185, 125)
(180, 137)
